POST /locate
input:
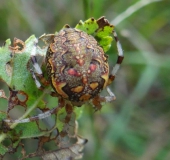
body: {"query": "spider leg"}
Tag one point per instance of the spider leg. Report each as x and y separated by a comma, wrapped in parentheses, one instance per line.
(119, 59)
(39, 116)
(36, 65)
(38, 84)
(38, 74)
(67, 120)
(34, 118)
(111, 96)
(99, 99)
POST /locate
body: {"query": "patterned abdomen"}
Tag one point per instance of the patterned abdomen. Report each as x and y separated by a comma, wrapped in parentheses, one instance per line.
(77, 66)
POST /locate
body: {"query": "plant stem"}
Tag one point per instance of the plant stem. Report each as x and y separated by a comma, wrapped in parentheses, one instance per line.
(86, 7)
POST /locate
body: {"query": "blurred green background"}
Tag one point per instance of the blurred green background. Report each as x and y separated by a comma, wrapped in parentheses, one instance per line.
(137, 125)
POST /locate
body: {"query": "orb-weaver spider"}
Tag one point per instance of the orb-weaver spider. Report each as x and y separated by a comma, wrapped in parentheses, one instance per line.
(77, 69)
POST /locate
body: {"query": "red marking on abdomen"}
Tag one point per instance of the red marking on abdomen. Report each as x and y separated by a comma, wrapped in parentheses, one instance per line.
(80, 62)
(92, 67)
(72, 72)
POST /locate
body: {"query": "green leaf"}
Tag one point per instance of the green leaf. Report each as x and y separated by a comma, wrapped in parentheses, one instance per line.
(101, 29)
(28, 130)
(104, 38)
(15, 72)
(3, 149)
(3, 115)
(89, 26)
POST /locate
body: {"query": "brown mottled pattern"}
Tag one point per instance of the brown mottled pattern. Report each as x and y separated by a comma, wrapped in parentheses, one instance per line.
(75, 61)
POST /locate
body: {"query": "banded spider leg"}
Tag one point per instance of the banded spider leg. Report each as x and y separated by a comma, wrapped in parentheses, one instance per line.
(98, 99)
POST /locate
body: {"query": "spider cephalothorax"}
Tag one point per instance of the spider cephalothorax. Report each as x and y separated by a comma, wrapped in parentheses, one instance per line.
(77, 66)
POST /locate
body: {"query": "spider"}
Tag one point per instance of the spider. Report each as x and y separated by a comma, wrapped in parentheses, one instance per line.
(77, 69)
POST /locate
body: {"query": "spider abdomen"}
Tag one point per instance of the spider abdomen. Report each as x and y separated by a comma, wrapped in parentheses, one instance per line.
(77, 66)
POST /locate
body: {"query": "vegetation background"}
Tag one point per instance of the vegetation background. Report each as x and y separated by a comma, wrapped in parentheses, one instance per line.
(137, 125)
